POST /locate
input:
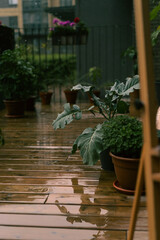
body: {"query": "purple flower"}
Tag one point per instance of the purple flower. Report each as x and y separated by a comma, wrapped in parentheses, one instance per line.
(62, 23)
(72, 24)
(52, 29)
(67, 23)
(56, 21)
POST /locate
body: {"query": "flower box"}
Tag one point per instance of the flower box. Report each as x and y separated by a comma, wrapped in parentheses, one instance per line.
(68, 33)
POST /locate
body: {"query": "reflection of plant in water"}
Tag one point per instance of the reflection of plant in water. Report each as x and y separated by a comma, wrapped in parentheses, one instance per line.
(87, 207)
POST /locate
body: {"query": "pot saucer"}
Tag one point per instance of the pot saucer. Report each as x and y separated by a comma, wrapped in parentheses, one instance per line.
(117, 186)
(14, 116)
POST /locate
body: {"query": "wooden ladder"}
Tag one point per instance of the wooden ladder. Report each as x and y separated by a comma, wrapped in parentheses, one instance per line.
(149, 168)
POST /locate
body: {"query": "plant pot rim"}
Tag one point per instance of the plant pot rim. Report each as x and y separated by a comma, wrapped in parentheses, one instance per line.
(123, 158)
(69, 90)
(14, 100)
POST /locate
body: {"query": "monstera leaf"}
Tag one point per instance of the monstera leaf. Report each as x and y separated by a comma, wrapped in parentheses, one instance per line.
(67, 116)
(90, 145)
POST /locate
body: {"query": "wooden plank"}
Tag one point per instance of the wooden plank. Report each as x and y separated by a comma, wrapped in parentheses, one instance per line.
(85, 199)
(26, 233)
(23, 198)
(66, 168)
(70, 221)
(34, 188)
(141, 235)
(70, 209)
(50, 174)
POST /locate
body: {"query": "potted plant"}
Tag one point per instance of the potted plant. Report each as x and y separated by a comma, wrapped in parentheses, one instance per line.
(94, 75)
(71, 95)
(123, 137)
(16, 79)
(90, 141)
(65, 76)
(45, 74)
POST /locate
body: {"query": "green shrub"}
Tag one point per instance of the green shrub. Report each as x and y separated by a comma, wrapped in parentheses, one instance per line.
(122, 135)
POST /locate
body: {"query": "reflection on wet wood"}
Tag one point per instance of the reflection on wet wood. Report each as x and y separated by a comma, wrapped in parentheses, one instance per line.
(50, 209)
(26, 233)
(47, 193)
(71, 221)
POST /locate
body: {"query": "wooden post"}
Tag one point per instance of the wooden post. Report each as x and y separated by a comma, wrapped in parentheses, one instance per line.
(147, 93)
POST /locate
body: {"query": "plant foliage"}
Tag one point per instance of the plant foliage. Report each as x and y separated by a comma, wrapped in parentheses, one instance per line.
(90, 141)
(67, 116)
(123, 136)
(17, 75)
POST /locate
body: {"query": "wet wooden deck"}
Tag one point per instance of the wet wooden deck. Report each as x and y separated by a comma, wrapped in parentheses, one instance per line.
(45, 193)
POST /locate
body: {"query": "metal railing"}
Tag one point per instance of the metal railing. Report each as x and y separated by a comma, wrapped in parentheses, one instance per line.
(104, 49)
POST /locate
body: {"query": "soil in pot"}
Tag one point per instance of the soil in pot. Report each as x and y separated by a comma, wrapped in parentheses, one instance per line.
(71, 96)
(126, 170)
(15, 108)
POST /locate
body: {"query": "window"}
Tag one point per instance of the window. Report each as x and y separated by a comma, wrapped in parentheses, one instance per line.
(65, 2)
(13, 2)
(13, 22)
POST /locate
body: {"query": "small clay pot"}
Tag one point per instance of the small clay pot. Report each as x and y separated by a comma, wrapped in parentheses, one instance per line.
(71, 96)
(46, 97)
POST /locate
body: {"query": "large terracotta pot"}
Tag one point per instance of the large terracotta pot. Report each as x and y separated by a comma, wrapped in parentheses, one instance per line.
(46, 97)
(126, 170)
(71, 96)
(15, 108)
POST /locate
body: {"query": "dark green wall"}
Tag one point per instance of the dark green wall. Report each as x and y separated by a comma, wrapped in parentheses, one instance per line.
(102, 12)
(110, 34)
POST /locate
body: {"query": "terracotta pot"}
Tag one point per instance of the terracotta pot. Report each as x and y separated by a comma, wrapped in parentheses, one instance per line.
(126, 170)
(71, 96)
(46, 97)
(96, 92)
(15, 108)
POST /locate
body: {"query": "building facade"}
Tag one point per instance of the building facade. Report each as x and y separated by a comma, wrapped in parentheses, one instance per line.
(11, 13)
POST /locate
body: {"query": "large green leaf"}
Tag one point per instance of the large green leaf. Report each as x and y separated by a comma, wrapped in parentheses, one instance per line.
(67, 116)
(84, 88)
(122, 89)
(90, 145)
(154, 12)
(130, 85)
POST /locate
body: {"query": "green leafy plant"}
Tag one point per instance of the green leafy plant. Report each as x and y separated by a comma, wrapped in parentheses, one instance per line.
(90, 141)
(17, 76)
(123, 136)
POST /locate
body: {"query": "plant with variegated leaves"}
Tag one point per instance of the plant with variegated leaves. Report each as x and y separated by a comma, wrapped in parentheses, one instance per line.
(90, 141)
